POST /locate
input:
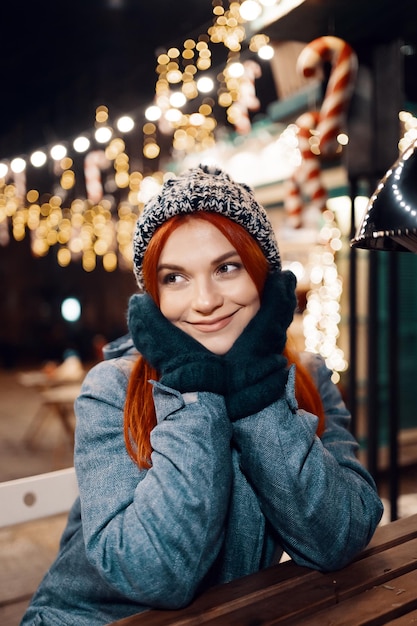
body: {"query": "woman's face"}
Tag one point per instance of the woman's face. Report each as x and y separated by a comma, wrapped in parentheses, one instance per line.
(203, 286)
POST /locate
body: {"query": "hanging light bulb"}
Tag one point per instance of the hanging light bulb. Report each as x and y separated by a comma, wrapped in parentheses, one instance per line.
(103, 134)
(266, 52)
(58, 152)
(235, 69)
(205, 84)
(38, 158)
(177, 99)
(249, 10)
(173, 115)
(153, 113)
(18, 165)
(125, 124)
(81, 144)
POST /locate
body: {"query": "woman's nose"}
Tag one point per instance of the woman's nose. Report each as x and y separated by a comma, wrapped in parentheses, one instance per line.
(207, 296)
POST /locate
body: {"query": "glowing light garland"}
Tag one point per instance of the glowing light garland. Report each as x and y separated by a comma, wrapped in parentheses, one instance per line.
(322, 316)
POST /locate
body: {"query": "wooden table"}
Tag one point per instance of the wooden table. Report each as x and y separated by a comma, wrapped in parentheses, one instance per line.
(379, 587)
(58, 401)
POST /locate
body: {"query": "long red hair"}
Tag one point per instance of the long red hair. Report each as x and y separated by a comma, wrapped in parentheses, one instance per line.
(139, 411)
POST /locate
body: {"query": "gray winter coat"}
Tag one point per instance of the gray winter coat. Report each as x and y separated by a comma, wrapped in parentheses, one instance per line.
(221, 500)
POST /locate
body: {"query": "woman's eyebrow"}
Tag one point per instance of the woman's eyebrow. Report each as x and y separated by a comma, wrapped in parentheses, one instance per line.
(225, 256)
(169, 266)
(220, 259)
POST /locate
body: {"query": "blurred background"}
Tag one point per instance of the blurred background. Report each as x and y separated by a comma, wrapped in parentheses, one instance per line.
(309, 102)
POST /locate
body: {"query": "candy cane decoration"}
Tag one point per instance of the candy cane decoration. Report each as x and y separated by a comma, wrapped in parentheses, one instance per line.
(94, 163)
(327, 123)
(306, 180)
(344, 64)
(247, 100)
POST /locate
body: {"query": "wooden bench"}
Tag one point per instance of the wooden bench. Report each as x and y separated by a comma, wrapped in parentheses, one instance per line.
(379, 587)
(33, 513)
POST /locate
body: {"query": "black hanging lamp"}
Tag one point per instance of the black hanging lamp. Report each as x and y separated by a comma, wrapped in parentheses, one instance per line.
(390, 224)
(390, 219)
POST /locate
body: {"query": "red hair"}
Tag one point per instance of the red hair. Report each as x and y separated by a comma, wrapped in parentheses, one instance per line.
(139, 412)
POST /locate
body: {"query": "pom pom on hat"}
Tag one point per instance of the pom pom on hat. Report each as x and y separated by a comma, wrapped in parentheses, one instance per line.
(205, 189)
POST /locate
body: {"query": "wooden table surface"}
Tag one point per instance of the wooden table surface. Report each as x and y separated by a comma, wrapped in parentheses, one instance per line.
(379, 587)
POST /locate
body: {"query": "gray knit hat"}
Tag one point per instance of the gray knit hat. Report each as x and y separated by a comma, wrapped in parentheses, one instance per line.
(205, 189)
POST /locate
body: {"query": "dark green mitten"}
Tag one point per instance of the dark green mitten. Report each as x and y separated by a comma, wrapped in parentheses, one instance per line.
(182, 362)
(256, 368)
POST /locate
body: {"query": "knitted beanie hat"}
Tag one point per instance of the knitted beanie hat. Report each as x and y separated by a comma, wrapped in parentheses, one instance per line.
(204, 189)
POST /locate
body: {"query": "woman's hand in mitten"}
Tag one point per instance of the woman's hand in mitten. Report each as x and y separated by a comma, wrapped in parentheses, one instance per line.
(256, 368)
(181, 361)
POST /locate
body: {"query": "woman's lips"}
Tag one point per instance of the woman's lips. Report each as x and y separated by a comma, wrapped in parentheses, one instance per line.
(212, 326)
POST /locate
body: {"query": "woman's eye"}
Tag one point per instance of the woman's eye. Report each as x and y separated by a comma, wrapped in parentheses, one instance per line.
(172, 279)
(226, 268)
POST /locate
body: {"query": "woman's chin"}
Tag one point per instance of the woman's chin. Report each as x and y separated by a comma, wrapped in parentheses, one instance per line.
(216, 345)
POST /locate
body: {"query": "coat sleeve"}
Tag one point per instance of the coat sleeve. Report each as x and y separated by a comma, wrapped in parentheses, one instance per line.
(152, 534)
(320, 500)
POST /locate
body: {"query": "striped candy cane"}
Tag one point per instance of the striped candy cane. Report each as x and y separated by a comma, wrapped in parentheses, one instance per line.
(247, 100)
(328, 122)
(94, 163)
(344, 63)
(305, 185)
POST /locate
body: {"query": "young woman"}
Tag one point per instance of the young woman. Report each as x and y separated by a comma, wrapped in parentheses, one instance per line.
(204, 446)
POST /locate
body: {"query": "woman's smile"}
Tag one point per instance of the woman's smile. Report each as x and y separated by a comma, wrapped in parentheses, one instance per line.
(210, 326)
